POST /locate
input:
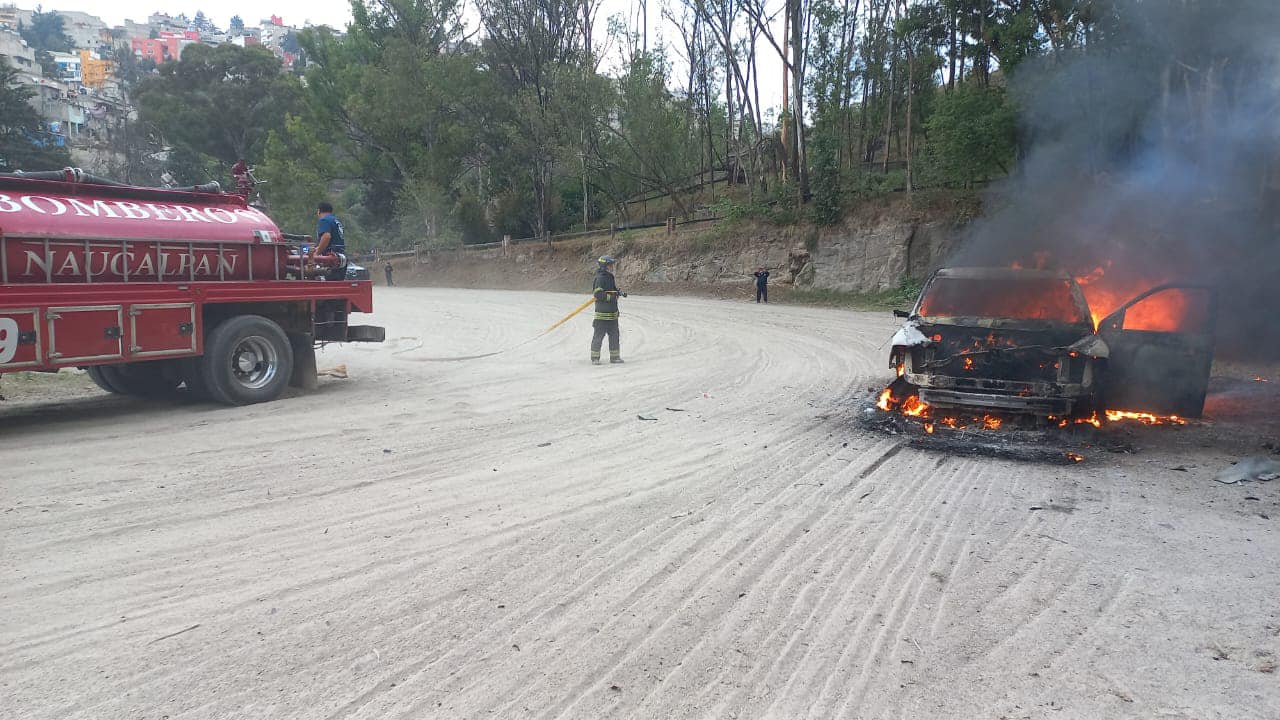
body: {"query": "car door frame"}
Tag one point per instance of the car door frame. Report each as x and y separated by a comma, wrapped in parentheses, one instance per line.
(1160, 372)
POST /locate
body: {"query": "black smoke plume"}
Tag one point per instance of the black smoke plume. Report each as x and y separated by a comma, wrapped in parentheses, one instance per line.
(1153, 149)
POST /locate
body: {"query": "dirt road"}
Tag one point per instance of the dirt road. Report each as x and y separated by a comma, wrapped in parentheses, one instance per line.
(505, 537)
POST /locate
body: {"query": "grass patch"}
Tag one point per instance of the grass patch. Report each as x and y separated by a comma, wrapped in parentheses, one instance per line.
(903, 296)
(32, 379)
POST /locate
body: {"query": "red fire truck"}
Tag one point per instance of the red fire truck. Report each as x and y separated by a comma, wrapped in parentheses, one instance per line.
(153, 289)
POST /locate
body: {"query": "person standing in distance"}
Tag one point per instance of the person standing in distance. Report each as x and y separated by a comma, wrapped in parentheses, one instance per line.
(389, 270)
(329, 238)
(606, 293)
(762, 284)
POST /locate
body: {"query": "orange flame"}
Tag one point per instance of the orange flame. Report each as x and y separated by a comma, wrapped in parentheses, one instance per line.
(1145, 418)
(1168, 311)
(1119, 415)
(1075, 457)
(886, 400)
(914, 407)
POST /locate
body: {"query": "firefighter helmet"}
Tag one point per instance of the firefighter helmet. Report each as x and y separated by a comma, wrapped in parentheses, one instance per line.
(606, 260)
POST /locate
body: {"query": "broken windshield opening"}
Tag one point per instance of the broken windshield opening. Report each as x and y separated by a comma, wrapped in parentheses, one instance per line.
(1006, 298)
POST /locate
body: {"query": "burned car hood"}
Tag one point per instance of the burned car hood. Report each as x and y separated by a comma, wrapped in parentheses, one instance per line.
(983, 334)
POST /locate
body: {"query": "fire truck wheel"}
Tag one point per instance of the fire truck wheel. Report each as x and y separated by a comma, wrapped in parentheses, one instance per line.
(194, 380)
(247, 360)
(99, 378)
(144, 379)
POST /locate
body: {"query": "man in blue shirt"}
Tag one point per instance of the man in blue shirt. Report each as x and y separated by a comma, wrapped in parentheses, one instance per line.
(329, 238)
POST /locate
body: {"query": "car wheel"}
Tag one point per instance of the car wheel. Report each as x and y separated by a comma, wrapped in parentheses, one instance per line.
(247, 360)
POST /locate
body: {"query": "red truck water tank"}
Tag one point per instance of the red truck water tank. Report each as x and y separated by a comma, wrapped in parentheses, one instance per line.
(68, 232)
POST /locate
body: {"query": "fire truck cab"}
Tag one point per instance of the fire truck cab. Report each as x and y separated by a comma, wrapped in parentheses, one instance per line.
(150, 290)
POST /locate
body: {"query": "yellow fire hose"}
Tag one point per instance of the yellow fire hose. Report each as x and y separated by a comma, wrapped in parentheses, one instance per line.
(557, 324)
(569, 317)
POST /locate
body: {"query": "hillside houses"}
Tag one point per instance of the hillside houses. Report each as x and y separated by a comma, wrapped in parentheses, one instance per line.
(80, 94)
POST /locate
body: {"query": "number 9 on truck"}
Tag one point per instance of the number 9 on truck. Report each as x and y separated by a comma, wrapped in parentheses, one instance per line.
(8, 339)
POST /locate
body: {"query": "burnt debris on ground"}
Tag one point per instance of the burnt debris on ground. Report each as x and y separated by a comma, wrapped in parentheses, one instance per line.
(1010, 437)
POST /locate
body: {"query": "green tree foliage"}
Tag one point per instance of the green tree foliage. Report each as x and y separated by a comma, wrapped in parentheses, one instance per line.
(217, 105)
(972, 134)
(647, 143)
(47, 31)
(236, 25)
(46, 35)
(24, 143)
(296, 165)
(203, 23)
(430, 133)
(828, 200)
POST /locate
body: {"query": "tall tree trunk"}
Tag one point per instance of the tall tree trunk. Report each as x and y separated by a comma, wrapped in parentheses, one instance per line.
(644, 24)
(863, 144)
(911, 66)
(842, 88)
(890, 91)
(982, 62)
(797, 78)
(706, 115)
(729, 144)
(757, 165)
(785, 119)
(951, 71)
(586, 191)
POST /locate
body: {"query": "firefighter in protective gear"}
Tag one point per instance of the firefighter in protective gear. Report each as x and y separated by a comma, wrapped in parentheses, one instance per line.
(606, 321)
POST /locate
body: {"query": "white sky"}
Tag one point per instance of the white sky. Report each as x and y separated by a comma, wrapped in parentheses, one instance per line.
(337, 13)
(294, 12)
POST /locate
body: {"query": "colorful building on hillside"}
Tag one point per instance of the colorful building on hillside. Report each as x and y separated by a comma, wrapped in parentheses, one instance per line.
(95, 72)
(68, 66)
(168, 46)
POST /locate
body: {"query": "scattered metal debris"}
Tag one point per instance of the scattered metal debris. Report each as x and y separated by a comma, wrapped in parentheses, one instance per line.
(1051, 444)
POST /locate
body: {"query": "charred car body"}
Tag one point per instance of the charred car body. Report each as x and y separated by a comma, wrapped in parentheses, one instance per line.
(1025, 342)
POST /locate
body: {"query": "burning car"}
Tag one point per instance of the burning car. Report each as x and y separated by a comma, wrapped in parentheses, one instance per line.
(1019, 341)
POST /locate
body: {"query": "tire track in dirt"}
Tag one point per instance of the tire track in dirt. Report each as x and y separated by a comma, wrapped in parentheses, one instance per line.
(876, 579)
(733, 559)
(823, 604)
(645, 550)
(800, 527)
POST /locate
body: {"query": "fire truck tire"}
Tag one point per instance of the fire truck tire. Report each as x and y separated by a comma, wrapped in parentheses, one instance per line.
(194, 380)
(247, 359)
(146, 379)
(99, 378)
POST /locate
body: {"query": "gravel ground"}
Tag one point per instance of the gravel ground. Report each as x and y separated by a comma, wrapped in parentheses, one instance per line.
(507, 537)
